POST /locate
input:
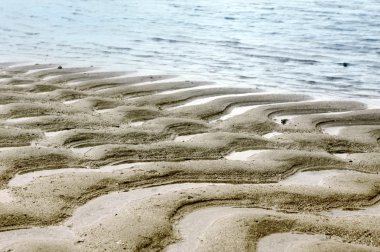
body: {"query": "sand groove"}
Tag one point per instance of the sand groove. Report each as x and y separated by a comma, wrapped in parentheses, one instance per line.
(115, 161)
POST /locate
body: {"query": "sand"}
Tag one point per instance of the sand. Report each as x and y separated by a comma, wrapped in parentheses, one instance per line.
(120, 161)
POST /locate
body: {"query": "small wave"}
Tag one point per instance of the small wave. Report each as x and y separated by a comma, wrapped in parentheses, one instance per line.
(31, 33)
(157, 39)
(118, 48)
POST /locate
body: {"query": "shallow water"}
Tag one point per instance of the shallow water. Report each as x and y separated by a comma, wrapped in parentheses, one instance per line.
(295, 45)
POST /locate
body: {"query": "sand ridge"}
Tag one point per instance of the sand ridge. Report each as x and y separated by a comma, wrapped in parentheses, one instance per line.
(111, 161)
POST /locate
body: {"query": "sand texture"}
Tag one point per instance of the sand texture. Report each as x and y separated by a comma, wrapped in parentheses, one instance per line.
(120, 161)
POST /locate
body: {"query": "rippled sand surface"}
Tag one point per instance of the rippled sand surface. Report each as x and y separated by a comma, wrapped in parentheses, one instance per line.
(118, 161)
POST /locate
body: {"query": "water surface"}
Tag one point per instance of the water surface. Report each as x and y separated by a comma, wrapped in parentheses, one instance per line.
(297, 45)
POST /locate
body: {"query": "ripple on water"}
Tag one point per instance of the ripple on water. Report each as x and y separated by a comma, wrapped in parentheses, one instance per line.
(217, 39)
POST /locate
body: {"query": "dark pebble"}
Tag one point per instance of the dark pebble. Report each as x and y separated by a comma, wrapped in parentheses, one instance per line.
(59, 67)
(284, 121)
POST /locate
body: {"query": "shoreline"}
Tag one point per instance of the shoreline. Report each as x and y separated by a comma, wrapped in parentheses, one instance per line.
(137, 155)
(221, 80)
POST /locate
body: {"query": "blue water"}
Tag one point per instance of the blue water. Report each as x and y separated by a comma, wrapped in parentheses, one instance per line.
(296, 45)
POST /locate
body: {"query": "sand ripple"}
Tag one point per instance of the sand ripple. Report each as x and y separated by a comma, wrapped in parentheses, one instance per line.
(115, 161)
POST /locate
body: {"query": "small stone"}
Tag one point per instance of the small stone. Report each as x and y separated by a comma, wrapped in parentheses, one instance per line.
(80, 241)
(59, 67)
(345, 64)
(284, 121)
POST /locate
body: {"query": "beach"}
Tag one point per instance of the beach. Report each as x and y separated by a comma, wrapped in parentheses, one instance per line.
(95, 160)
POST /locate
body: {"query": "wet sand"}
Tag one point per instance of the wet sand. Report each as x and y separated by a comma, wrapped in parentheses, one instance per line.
(120, 161)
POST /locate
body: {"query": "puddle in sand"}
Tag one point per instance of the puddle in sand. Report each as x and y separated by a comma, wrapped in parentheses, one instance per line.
(243, 155)
(235, 112)
(272, 134)
(26, 178)
(212, 98)
(314, 178)
(194, 224)
(190, 89)
(109, 205)
(282, 242)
